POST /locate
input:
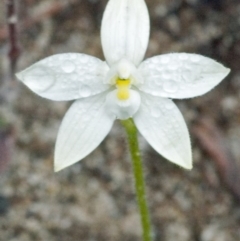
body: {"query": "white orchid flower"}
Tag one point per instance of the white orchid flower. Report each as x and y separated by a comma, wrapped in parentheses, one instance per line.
(123, 87)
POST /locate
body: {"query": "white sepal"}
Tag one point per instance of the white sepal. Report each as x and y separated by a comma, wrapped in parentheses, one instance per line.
(83, 128)
(66, 76)
(123, 109)
(181, 75)
(163, 126)
(125, 30)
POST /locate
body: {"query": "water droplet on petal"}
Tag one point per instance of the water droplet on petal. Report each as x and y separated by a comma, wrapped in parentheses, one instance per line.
(183, 56)
(173, 66)
(155, 92)
(73, 56)
(68, 66)
(147, 102)
(61, 56)
(158, 81)
(154, 60)
(76, 96)
(84, 59)
(195, 58)
(166, 75)
(39, 78)
(169, 105)
(85, 91)
(165, 59)
(84, 118)
(73, 76)
(170, 86)
(182, 87)
(187, 66)
(155, 112)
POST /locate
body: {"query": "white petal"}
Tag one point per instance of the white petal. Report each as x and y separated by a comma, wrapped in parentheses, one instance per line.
(66, 76)
(181, 75)
(83, 128)
(125, 30)
(163, 126)
(123, 109)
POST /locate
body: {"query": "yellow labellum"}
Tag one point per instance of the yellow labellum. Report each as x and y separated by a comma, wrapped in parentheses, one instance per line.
(123, 86)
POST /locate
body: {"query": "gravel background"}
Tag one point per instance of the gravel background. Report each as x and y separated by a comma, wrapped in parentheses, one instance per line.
(92, 200)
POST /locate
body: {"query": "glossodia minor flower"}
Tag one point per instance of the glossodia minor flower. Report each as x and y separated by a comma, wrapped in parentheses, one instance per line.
(123, 87)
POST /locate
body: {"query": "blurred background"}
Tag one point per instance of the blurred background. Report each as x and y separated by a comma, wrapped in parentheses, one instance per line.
(94, 200)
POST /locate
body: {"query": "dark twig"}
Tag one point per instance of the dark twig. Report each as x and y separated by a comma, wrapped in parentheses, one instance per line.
(14, 50)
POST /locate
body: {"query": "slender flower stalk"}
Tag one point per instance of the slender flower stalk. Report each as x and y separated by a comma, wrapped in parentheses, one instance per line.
(132, 135)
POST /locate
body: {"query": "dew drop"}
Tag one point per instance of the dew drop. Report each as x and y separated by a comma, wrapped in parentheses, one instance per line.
(147, 102)
(188, 78)
(155, 92)
(73, 56)
(173, 66)
(76, 96)
(170, 86)
(145, 129)
(85, 91)
(154, 72)
(160, 68)
(155, 112)
(154, 60)
(164, 94)
(84, 59)
(68, 66)
(85, 118)
(157, 81)
(73, 76)
(61, 56)
(183, 87)
(39, 78)
(144, 108)
(195, 58)
(187, 66)
(183, 56)
(165, 59)
(166, 75)
(169, 105)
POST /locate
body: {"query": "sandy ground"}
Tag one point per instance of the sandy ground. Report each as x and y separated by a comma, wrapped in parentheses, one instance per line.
(92, 200)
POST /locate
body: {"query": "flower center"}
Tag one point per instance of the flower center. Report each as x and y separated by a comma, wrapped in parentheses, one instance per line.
(123, 86)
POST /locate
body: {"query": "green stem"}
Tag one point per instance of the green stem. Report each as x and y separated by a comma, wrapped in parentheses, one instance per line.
(132, 135)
